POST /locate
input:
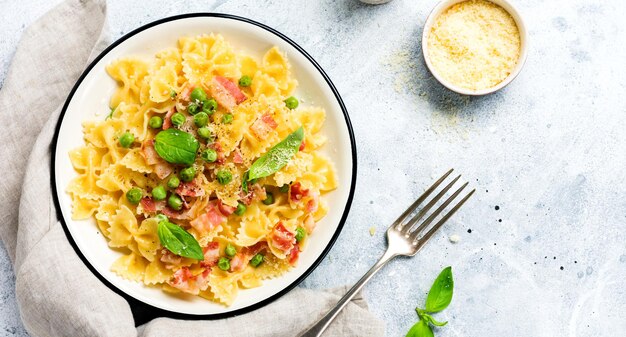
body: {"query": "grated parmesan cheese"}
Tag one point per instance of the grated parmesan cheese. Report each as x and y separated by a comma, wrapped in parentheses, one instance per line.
(474, 44)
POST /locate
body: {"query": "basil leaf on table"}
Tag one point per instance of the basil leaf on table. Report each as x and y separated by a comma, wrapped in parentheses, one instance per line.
(179, 241)
(277, 157)
(176, 147)
(440, 294)
(420, 329)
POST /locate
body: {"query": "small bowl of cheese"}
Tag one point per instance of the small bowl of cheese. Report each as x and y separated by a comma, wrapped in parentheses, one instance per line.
(474, 47)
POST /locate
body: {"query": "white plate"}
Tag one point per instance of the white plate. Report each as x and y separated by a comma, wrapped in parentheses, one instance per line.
(89, 100)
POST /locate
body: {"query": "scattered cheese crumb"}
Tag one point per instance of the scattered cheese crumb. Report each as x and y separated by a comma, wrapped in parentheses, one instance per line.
(454, 238)
(372, 230)
(474, 44)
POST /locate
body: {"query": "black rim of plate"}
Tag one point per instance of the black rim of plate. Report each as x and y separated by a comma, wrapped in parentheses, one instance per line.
(152, 311)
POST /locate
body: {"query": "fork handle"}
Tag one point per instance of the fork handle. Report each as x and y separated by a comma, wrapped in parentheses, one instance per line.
(320, 326)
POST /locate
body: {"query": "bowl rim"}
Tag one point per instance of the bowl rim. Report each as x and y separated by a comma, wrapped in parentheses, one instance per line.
(142, 311)
(508, 6)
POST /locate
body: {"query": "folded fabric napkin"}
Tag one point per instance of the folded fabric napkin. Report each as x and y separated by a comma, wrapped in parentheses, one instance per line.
(56, 293)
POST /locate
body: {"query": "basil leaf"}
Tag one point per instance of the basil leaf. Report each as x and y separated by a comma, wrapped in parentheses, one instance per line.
(176, 147)
(440, 294)
(277, 157)
(420, 329)
(179, 241)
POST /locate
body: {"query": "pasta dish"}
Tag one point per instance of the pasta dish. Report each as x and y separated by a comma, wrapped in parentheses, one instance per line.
(207, 173)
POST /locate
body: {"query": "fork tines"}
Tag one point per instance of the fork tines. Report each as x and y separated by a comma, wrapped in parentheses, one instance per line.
(408, 223)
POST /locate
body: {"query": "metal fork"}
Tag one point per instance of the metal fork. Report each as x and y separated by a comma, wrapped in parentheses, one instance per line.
(403, 238)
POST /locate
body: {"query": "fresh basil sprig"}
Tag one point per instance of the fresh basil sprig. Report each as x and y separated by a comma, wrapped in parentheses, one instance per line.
(176, 147)
(439, 297)
(179, 241)
(277, 157)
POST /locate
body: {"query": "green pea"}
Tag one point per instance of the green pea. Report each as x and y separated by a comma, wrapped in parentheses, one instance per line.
(161, 217)
(178, 119)
(205, 133)
(187, 174)
(155, 122)
(245, 81)
(291, 102)
(230, 250)
(159, 193)
(207, 110)
(175, 202)
(227, 118)
(209, 104)
(126, 139)
(172, 93)
(134, 195)
(256, 260)
(209, 155)
(173, 182)
(192, 109)
(223, 263)
(201, 119)
(198, 95)
(284, 188)
(300, 234)
(269, 199)
(241, 208)
(224, 177)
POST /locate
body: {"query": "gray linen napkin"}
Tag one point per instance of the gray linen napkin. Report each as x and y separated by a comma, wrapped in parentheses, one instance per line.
(57, 294)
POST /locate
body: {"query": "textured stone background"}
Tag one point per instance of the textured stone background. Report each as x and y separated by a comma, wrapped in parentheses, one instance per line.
(549, 151)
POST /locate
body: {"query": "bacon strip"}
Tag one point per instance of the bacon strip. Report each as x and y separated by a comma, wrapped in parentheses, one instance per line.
(150, 206)
(149, 153)
(190, 189)
(185, 281)
(294, 253)
(263, 126)
(282, 238)
(210, 220)
(313, 203)
(226, 93)
(239, 262)
(241, 259)
(296, 192)
(211, 255)
(161, 167)
(167, 121)
(237, 158)
(225, 209)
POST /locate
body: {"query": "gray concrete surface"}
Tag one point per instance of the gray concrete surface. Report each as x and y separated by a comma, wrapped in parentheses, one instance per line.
(546, 255)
